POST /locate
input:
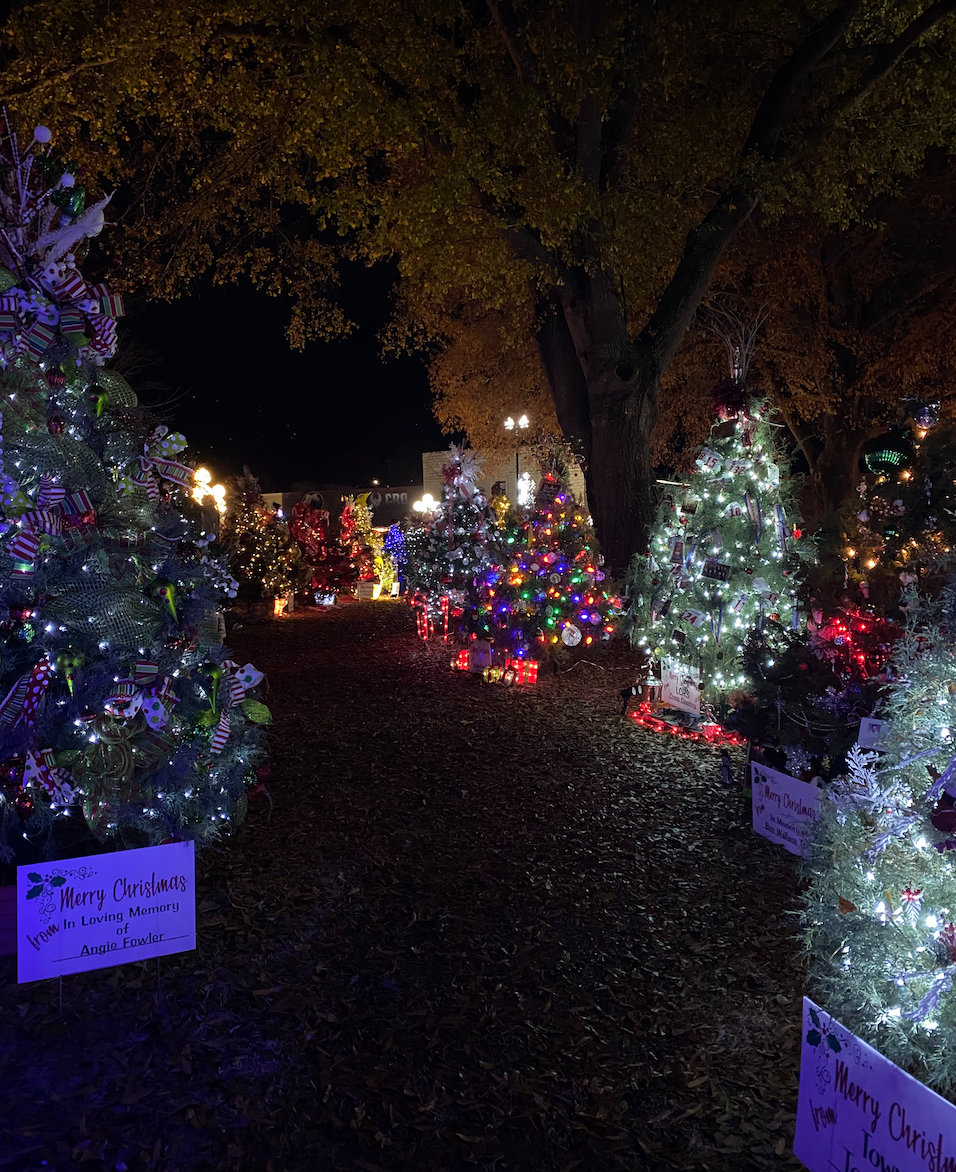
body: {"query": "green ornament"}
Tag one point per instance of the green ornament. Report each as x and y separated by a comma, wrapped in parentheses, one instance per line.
(887, 453)
(97, 398)
(70, 200)
(210, 675)
(7, 280)
(164, 591)
(68, 663)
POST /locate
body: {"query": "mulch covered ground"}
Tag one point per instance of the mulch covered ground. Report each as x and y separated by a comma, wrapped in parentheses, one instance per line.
(475, 929)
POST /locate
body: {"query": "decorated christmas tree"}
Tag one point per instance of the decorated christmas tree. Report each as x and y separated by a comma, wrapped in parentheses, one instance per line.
(355, 542)
(327, 563)
(722, 558)
(123, 721)
(454, 546)
(548, 591)
(395, 549)
(265, 559)
(903, 530)
(881, 902)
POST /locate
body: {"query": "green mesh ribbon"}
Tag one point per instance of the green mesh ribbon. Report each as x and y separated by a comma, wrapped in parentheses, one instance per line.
(121, 394)
(110, 613)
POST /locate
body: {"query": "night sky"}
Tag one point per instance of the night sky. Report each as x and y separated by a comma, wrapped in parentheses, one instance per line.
(335, 413)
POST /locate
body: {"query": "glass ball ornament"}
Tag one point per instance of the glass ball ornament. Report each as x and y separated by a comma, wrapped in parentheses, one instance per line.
(56, 424)
(926, 415)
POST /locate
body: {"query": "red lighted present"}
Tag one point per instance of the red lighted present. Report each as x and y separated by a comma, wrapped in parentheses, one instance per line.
(526, 670)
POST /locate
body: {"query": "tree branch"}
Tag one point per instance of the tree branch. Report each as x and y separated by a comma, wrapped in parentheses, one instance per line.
(507, 30)
(707, 242)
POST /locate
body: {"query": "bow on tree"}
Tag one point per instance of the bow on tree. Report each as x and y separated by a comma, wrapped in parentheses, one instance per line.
(55, 509)
(156, 703)
(57, 299)
(235, 683)
(158, 461)
(40, 769)
(20, 704)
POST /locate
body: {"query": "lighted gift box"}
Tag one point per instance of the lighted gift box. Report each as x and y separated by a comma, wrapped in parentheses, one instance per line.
(526, 670)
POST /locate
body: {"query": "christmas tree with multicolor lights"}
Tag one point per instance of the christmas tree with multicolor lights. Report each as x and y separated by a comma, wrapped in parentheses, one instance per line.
(547, 592)
(123, 720)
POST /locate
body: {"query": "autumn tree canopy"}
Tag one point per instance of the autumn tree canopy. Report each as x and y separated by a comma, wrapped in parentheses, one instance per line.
(856, 330)
(567, 172)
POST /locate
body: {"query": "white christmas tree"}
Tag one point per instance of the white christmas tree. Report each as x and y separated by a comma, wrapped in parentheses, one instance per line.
(881, 902)
(722, 558)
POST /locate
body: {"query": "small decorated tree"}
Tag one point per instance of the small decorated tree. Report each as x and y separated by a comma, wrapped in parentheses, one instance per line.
(124, 721)
(395, 549)
(265, 559)
(881, 902)
(723, 559)
(548, 590)
(456, 544)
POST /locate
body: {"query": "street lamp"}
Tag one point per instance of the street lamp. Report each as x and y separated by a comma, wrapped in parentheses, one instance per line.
(522, 425)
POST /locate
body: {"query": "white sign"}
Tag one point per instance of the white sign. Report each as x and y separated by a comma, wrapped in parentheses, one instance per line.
(90, 913)
(858, 1111)
(872, 734)
(680, 686)
(784, 809)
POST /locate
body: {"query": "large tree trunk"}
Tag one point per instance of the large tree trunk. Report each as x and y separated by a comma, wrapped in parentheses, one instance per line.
(605, 389)
(622, 492)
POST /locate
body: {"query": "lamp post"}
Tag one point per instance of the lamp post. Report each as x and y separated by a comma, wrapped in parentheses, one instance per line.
(522, 424)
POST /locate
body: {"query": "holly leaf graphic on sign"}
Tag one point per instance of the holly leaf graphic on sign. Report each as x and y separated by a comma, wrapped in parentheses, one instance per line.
(34, 877)
(833, 1044)
(814, 1037)
(35, 891)
(815, 1018)
(57, 881)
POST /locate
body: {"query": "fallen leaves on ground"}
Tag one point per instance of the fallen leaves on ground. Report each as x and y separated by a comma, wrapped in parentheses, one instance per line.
(468, 928)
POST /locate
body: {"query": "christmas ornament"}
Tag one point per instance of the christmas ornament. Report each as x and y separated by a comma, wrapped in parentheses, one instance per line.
(210, 676)
(887, 453)
(97, 398)
(56, 424)
(927, 415)
(570, 635)
(164, 591)
(68, 663)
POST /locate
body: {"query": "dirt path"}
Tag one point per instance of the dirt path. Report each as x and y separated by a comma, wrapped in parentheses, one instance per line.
(477, 929)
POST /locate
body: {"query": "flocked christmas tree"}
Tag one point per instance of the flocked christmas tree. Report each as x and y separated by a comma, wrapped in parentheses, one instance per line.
(881, 904)
(123, 721)
(548, 590)
(450, 551)
(722, 559)
(265, 559)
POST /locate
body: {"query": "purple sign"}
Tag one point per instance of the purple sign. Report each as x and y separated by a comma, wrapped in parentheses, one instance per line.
(858, 1111)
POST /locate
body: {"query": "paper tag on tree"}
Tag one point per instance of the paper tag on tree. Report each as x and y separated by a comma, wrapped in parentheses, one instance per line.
(719, 571)
(709, 461)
